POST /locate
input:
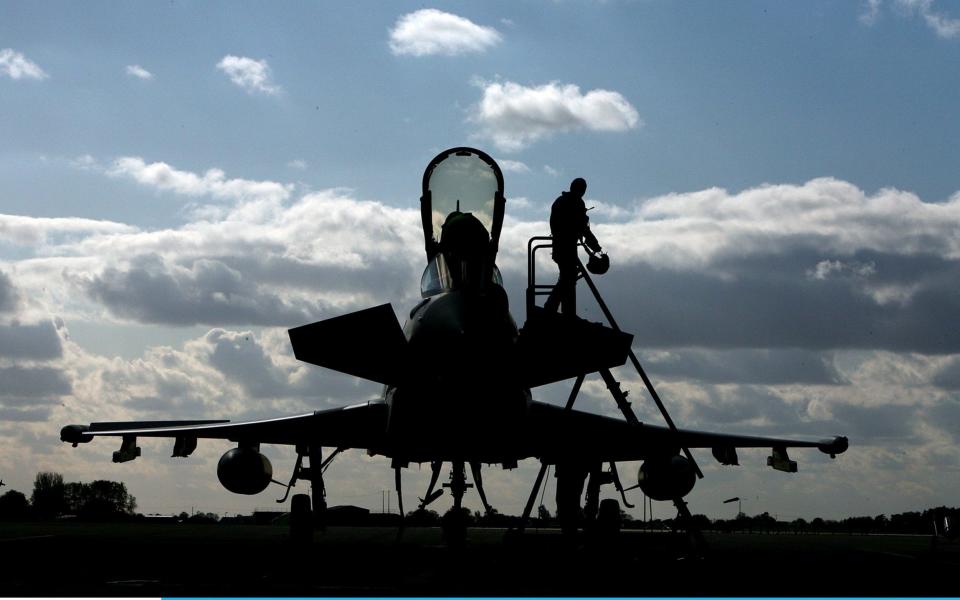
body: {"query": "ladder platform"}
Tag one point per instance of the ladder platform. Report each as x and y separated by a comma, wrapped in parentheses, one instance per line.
(555, 347)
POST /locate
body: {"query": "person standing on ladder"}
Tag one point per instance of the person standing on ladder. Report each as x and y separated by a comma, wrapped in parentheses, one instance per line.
(569, 225)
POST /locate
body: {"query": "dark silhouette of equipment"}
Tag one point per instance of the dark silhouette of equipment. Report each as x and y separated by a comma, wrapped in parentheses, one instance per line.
(598, 264)
(662, 476)
(739, 504)
(243, 470)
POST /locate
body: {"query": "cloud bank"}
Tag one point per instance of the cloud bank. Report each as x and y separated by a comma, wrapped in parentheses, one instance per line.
(212, 183)
(804, 310)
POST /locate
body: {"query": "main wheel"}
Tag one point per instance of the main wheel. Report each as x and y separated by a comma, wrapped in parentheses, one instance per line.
(454, 527)
(301, 519)
(609, 520)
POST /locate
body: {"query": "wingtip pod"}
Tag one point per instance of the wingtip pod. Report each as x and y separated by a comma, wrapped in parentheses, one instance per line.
(835, 446)
(75, 434)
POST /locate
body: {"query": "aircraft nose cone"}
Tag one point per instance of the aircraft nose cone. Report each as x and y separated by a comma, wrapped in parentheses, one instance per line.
(459, 332)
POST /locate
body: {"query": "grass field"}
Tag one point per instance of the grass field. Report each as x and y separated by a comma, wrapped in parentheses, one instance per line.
(71, 559)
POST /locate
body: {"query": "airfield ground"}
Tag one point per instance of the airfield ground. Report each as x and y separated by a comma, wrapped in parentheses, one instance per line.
(76, 559)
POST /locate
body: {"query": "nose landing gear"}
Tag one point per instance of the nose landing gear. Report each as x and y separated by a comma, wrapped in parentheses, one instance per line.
(454, 522)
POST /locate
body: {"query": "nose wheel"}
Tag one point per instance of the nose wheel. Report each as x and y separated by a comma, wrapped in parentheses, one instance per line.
(454, 522)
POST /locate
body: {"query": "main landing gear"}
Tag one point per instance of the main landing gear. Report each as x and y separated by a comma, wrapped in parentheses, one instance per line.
(306, 516)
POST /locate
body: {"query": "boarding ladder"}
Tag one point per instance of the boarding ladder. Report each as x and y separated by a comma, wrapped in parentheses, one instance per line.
(534, 290)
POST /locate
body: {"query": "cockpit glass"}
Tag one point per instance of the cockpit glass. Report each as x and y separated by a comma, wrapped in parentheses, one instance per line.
(466, 182)
(437, 277)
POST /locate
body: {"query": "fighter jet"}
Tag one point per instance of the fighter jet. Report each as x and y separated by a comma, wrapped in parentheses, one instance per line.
(457, 378)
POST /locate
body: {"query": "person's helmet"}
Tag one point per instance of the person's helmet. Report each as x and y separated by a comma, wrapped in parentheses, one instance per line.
(598, 264)
(578, 186)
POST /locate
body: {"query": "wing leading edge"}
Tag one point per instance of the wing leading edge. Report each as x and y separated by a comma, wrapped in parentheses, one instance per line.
(358, 426)
(559, 434)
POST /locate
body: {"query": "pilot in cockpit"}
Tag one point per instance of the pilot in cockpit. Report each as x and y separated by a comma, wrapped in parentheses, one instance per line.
(465, 244)
(462, 210)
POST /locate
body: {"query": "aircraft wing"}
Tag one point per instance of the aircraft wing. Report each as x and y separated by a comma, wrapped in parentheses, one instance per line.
(368, 343)
(357, 426)
(558, 434)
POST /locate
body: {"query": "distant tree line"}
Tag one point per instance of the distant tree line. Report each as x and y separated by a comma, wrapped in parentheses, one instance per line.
(110, 500)
(52, 497)
(919, 523)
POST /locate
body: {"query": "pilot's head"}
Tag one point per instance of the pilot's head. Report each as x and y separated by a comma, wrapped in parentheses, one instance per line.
(578, 187)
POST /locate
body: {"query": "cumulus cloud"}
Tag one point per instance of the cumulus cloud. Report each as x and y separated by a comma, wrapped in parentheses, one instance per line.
(8, 294)
(948, 375)
(431, 31)
(828, 214)
(212, 183)
(870, 12)
(17, 66)
(139, 72)
(39, 341)
(250, 74)
(298, 164)
(206, 291)
(833, 268)
(257, 262)
(943, 25)
(513, 166)
(31, 231)
(772, 304)
(513, 116)
(746, 366)
(32, 383)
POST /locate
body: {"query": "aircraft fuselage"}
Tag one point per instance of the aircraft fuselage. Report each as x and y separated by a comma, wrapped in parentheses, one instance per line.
(463, 400)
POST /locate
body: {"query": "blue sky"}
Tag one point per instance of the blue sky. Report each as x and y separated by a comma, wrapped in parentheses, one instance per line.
(776, 184)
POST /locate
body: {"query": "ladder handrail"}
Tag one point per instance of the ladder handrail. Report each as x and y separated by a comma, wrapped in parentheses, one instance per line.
(637, 365)
(532, 288)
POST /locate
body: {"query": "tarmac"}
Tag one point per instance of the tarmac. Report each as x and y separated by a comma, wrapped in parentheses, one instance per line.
(152, 559)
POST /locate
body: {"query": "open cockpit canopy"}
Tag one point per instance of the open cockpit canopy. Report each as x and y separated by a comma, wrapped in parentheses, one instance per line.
(461, 180)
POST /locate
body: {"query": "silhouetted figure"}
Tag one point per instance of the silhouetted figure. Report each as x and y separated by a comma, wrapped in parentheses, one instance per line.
(570, 477)
(568, 225)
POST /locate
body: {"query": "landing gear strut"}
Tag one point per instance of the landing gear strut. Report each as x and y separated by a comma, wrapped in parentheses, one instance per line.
(431, 495)
(304, 517)
(454, 523)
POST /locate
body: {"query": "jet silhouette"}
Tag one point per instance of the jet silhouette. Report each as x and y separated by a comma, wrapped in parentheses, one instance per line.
(457, 379)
